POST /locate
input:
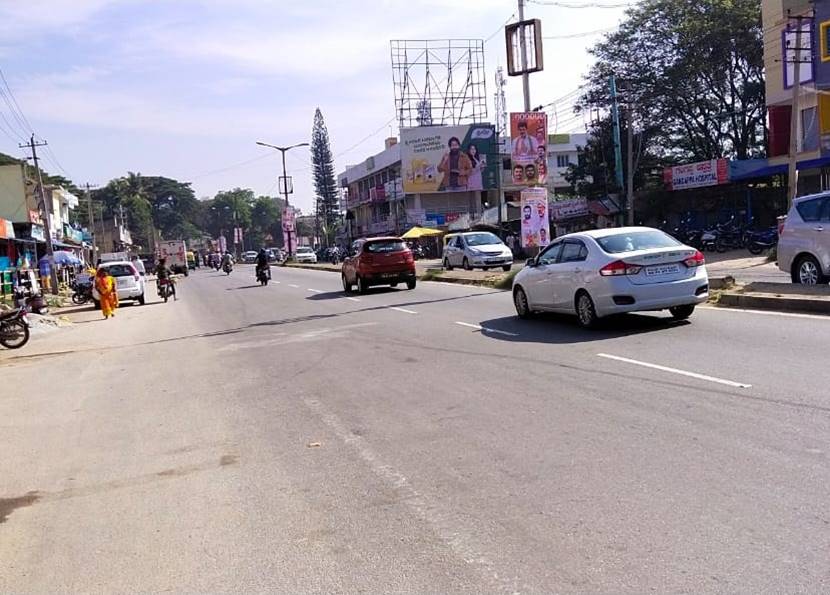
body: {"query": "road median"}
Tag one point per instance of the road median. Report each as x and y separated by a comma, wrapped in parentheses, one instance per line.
(778, 297)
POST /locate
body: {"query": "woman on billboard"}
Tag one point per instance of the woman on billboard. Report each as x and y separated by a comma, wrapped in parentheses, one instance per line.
(479, 162)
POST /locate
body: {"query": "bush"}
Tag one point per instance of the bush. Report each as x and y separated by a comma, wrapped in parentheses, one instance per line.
(506, 282)
(772, 255)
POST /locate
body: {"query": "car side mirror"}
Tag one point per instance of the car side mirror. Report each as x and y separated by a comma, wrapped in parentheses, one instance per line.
(531, 262)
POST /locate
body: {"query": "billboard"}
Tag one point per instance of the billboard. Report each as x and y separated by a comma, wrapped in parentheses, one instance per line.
(535, 220)
(697, 175)
(568, 208)
(449, 158)
(529, 140)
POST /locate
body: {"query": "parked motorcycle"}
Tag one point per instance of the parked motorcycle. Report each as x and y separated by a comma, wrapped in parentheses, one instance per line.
(14, 328)
(758, 241)
(81, 293)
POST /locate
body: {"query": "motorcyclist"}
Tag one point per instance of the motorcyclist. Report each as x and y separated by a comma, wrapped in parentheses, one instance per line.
(261, 262)
(227, 259)
(163, 273)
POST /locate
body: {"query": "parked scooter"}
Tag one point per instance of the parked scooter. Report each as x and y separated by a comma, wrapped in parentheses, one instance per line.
(14, 328)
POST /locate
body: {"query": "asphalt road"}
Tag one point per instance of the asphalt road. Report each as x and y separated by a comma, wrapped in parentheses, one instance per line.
(290, 439)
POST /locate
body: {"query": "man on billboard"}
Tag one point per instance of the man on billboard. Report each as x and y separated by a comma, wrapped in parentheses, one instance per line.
(456, 167)
(525, 146)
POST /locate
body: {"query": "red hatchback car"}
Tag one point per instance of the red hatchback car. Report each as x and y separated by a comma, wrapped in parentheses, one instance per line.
(378, 261)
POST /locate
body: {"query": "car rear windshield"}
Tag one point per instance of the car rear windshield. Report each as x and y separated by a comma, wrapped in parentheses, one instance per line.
(303, 250)
(481, 239)
(383, 246)
(120, 270)
(636, 240)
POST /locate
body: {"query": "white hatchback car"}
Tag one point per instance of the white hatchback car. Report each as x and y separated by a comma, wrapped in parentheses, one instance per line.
(128, 282)
(602, 272)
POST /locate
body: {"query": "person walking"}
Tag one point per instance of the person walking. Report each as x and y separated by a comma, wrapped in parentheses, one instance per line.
(105, 285)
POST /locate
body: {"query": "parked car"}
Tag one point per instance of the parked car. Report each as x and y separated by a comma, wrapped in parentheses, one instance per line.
(378, 261)
(128, 282)
(804, 242)
(597, 273)
(305, 254)
(249, 257)
(475, 249)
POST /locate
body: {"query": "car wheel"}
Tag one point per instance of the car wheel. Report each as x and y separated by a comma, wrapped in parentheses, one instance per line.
(682, 312)
(808, 272)
(140, 299)
(447, 264)
(586, 313)
(411, 284)
(347, 287)
(522, 305)
(362, 285)
(466, 265)
(506, 268)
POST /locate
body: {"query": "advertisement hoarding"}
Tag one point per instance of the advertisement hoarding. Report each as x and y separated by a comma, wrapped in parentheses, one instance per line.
(535, 220)
(449, 158)
(696, 175)
(529, 140)
(568, 208)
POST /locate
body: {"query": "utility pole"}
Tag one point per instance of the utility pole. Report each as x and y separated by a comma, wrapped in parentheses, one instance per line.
(795, 115)
(523, 50)
(284, 150)
(629, 191)
(50, 250)
(91, 222)
(615, 114)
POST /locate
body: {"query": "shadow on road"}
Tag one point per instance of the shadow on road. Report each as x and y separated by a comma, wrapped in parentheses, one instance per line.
(559, 329)
(242, 287)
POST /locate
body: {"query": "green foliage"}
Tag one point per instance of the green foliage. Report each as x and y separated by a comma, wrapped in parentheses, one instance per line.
(325, 182)
(694, 71)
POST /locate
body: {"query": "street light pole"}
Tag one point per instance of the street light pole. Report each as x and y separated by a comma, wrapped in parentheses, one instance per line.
(284, 150)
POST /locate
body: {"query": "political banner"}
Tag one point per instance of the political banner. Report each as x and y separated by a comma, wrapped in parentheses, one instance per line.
(568, 208)
(449, 158)
(535, 220)
(529, 140)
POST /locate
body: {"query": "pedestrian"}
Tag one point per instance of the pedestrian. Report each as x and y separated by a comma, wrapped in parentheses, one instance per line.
(105, 284)
(45, 273)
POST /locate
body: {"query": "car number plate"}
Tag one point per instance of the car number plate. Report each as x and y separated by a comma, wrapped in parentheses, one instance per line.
(663, 269)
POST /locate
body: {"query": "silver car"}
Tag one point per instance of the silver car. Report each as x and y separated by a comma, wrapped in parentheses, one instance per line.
(612, 271)
(476, 249)
(804, 243)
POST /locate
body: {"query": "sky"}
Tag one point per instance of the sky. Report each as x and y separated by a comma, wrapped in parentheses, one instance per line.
(184, 88)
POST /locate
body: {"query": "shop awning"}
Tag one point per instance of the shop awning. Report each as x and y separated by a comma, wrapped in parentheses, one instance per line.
(421, 232)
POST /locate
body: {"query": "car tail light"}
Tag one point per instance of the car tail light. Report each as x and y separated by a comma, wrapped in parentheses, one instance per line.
(618, 267)
(696, 260)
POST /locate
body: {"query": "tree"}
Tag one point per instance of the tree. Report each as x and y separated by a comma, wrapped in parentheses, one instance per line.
(693, 69)
(325, 183)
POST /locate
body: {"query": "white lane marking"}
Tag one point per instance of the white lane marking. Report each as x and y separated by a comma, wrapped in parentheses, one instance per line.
(314, 290)
(353, 299)
(294, 286)
(765, 312)
(277, 282)
(675, 371)
(460, 538)
(404, 310)
(489, 330)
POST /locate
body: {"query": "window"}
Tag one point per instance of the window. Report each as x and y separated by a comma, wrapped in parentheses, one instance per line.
(563, 160)
(809, 129)
(459, 242)
(824, 40)
(121, 270)
(636, 240)
(810, 209)
(384, 246)
(550, 254)
(574, 252)
(482, 239)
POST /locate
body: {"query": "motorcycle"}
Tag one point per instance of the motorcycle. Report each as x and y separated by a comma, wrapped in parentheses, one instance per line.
(14, 328)
(263, 275)
(758, 241)
(165, 288)
(227, 268)
(81, 293)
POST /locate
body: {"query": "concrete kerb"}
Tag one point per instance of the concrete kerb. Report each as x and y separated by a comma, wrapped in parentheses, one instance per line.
(781, 297)
(437, 275)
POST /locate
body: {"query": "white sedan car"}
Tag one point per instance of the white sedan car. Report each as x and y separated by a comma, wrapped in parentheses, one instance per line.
(602, 272)
(305, 254)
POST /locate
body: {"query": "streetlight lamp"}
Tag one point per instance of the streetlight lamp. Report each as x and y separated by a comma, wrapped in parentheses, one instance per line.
(284, 150)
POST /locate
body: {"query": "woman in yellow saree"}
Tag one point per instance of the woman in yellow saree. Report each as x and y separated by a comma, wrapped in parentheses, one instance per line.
(105, 284)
